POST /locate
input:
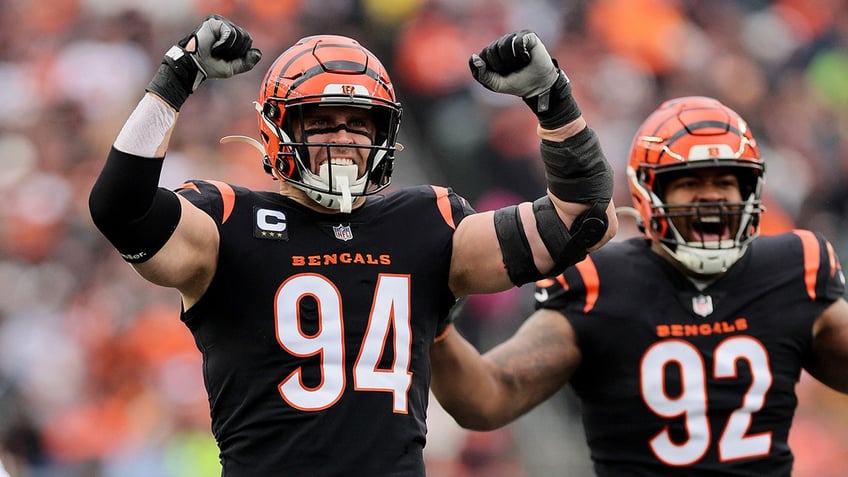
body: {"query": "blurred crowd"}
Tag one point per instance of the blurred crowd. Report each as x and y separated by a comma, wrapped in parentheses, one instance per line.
(98, 377)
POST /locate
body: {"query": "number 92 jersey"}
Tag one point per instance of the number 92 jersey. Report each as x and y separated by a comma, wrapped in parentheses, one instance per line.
(680, 381)
(316, 329)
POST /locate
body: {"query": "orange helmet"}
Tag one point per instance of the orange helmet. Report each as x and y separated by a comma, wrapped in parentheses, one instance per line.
(327, 70)
(689, 133)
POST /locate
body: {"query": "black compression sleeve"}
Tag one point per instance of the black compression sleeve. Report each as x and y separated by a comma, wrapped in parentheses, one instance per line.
(130, 209)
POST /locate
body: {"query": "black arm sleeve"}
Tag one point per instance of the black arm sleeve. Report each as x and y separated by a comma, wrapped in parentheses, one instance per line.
(130, 209)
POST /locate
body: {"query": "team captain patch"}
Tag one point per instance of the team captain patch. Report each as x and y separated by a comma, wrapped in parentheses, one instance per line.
(270, 224)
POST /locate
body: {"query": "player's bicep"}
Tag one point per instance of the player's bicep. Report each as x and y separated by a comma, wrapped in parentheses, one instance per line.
(188, 259)
(476, 262)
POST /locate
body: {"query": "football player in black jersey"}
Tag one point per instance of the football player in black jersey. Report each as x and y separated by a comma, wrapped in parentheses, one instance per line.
(684, 346)
(315, 306)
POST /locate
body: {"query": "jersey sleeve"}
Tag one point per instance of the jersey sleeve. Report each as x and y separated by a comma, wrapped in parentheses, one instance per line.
(213, 197)
(578, 285)
(823, 277)
(452, 206)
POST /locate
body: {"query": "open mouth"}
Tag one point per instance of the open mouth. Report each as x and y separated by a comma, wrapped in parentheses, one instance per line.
(710, 228)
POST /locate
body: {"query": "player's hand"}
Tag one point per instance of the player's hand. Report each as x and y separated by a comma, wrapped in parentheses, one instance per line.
(516, 63)
(218, 48)
(519, 64)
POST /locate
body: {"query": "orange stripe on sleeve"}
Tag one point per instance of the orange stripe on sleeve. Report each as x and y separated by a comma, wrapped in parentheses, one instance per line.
(228, 196)
(546, 282)
(189, 186)
(589, 273)
(562, 281)
(831, 255)
(812, 259)
(444, 205)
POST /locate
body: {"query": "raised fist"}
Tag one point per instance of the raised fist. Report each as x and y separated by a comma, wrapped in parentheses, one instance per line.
(516, 63)
(519, 64)
(218, 48)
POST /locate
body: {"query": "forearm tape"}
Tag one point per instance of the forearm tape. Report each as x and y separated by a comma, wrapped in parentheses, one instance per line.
(566, 246)
(577, 170)
(147, 129)
(130, 209)
(569, 246)
(515, 248)
(556, 107)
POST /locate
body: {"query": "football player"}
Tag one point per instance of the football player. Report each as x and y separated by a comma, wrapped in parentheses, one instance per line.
(684, 346)
(314, 306)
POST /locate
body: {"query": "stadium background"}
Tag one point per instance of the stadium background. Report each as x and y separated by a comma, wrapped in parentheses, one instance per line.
(98, 378)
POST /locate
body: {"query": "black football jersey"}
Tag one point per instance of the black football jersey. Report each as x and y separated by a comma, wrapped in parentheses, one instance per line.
(680, 381)
(316, 329)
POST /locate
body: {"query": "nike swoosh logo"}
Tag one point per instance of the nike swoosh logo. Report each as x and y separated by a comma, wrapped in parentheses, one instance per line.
(541, 295)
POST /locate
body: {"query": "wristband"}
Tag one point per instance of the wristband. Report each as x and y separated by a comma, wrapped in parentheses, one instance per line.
(177, 78)
(556, 107)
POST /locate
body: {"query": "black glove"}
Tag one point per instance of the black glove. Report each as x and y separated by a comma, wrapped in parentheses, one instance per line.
(518, 64)
(218, 48)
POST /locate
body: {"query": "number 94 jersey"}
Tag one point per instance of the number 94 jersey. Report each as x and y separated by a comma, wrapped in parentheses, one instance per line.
(316, 329)
(680, 381)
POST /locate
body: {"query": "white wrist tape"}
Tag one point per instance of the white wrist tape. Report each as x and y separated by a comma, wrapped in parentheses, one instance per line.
(146, 128)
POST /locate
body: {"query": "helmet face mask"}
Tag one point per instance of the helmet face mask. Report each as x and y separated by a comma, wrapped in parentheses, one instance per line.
(327, 70)
(695, 136)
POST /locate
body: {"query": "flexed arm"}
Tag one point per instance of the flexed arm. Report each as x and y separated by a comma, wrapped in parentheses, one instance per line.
(543, 238)
(169, 241)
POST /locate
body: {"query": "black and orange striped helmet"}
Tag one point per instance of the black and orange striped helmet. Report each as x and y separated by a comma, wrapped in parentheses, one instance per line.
(326, 70)
(689, 133)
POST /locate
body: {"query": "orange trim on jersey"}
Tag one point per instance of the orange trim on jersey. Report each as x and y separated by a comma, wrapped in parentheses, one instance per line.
(189, 186)
(589, 273)
(445, 332)
(831, 256)
(812, 259)
(228, 196)
(444, 205)
(546, 282)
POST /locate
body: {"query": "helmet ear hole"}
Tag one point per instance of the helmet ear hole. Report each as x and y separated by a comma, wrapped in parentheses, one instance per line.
(657, 225)
(382, 171)
(272, 111)
(285, 165)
